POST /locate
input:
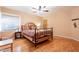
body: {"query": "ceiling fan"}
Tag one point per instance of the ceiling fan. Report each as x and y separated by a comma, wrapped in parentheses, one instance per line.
(40, 9)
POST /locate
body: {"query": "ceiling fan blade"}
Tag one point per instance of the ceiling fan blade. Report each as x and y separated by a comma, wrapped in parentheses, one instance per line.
(45, 10)
(34, 8)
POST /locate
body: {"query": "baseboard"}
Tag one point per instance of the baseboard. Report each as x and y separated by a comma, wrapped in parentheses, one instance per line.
(67, 37)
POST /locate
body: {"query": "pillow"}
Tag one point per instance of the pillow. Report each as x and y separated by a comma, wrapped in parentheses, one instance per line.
(29, 26)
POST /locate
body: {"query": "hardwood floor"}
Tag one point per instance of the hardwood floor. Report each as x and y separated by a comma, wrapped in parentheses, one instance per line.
(58, 44)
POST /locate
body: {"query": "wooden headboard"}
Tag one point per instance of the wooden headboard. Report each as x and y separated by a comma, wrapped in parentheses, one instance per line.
(28, 26)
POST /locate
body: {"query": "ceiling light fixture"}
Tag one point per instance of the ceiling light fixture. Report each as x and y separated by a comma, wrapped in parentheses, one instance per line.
(39, 10)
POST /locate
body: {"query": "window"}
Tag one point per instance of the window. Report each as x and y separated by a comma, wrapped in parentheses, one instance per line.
(9, 22)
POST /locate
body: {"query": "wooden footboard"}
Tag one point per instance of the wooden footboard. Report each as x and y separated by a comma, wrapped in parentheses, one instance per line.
(48, 32)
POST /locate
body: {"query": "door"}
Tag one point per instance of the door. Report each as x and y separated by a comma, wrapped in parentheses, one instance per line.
(45, 23)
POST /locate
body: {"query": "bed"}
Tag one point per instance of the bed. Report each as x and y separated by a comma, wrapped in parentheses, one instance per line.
(35, 35)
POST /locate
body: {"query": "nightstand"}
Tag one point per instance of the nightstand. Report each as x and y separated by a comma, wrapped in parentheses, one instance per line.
(17, 35)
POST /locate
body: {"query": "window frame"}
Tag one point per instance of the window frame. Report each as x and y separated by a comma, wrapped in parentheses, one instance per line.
(11, 14)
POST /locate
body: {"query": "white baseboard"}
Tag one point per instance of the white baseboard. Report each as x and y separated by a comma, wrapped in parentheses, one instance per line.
(68, 37)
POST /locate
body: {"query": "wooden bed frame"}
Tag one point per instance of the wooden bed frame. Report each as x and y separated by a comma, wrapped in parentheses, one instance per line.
(46, 37)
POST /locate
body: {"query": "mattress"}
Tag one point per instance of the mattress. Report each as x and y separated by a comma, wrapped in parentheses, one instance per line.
(39, 33)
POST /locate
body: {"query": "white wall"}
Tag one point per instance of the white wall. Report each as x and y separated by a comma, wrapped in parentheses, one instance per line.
(75, 31)
(59, 19)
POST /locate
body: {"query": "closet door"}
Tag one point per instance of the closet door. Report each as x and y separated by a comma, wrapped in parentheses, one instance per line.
(45, 23)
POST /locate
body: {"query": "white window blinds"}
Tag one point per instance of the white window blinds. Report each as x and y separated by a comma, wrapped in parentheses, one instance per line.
(9, 22)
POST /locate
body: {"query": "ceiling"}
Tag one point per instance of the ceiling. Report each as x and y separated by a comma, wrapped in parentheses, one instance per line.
(28, 9)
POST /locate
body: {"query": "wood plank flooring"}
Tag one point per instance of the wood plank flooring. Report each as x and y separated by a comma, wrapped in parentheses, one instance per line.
(58, 44)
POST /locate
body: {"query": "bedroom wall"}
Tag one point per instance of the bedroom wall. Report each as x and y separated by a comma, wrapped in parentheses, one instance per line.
(59, 19)
(25, 17)
(75, 14)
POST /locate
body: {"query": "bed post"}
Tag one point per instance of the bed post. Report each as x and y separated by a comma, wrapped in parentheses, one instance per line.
(35, 38)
